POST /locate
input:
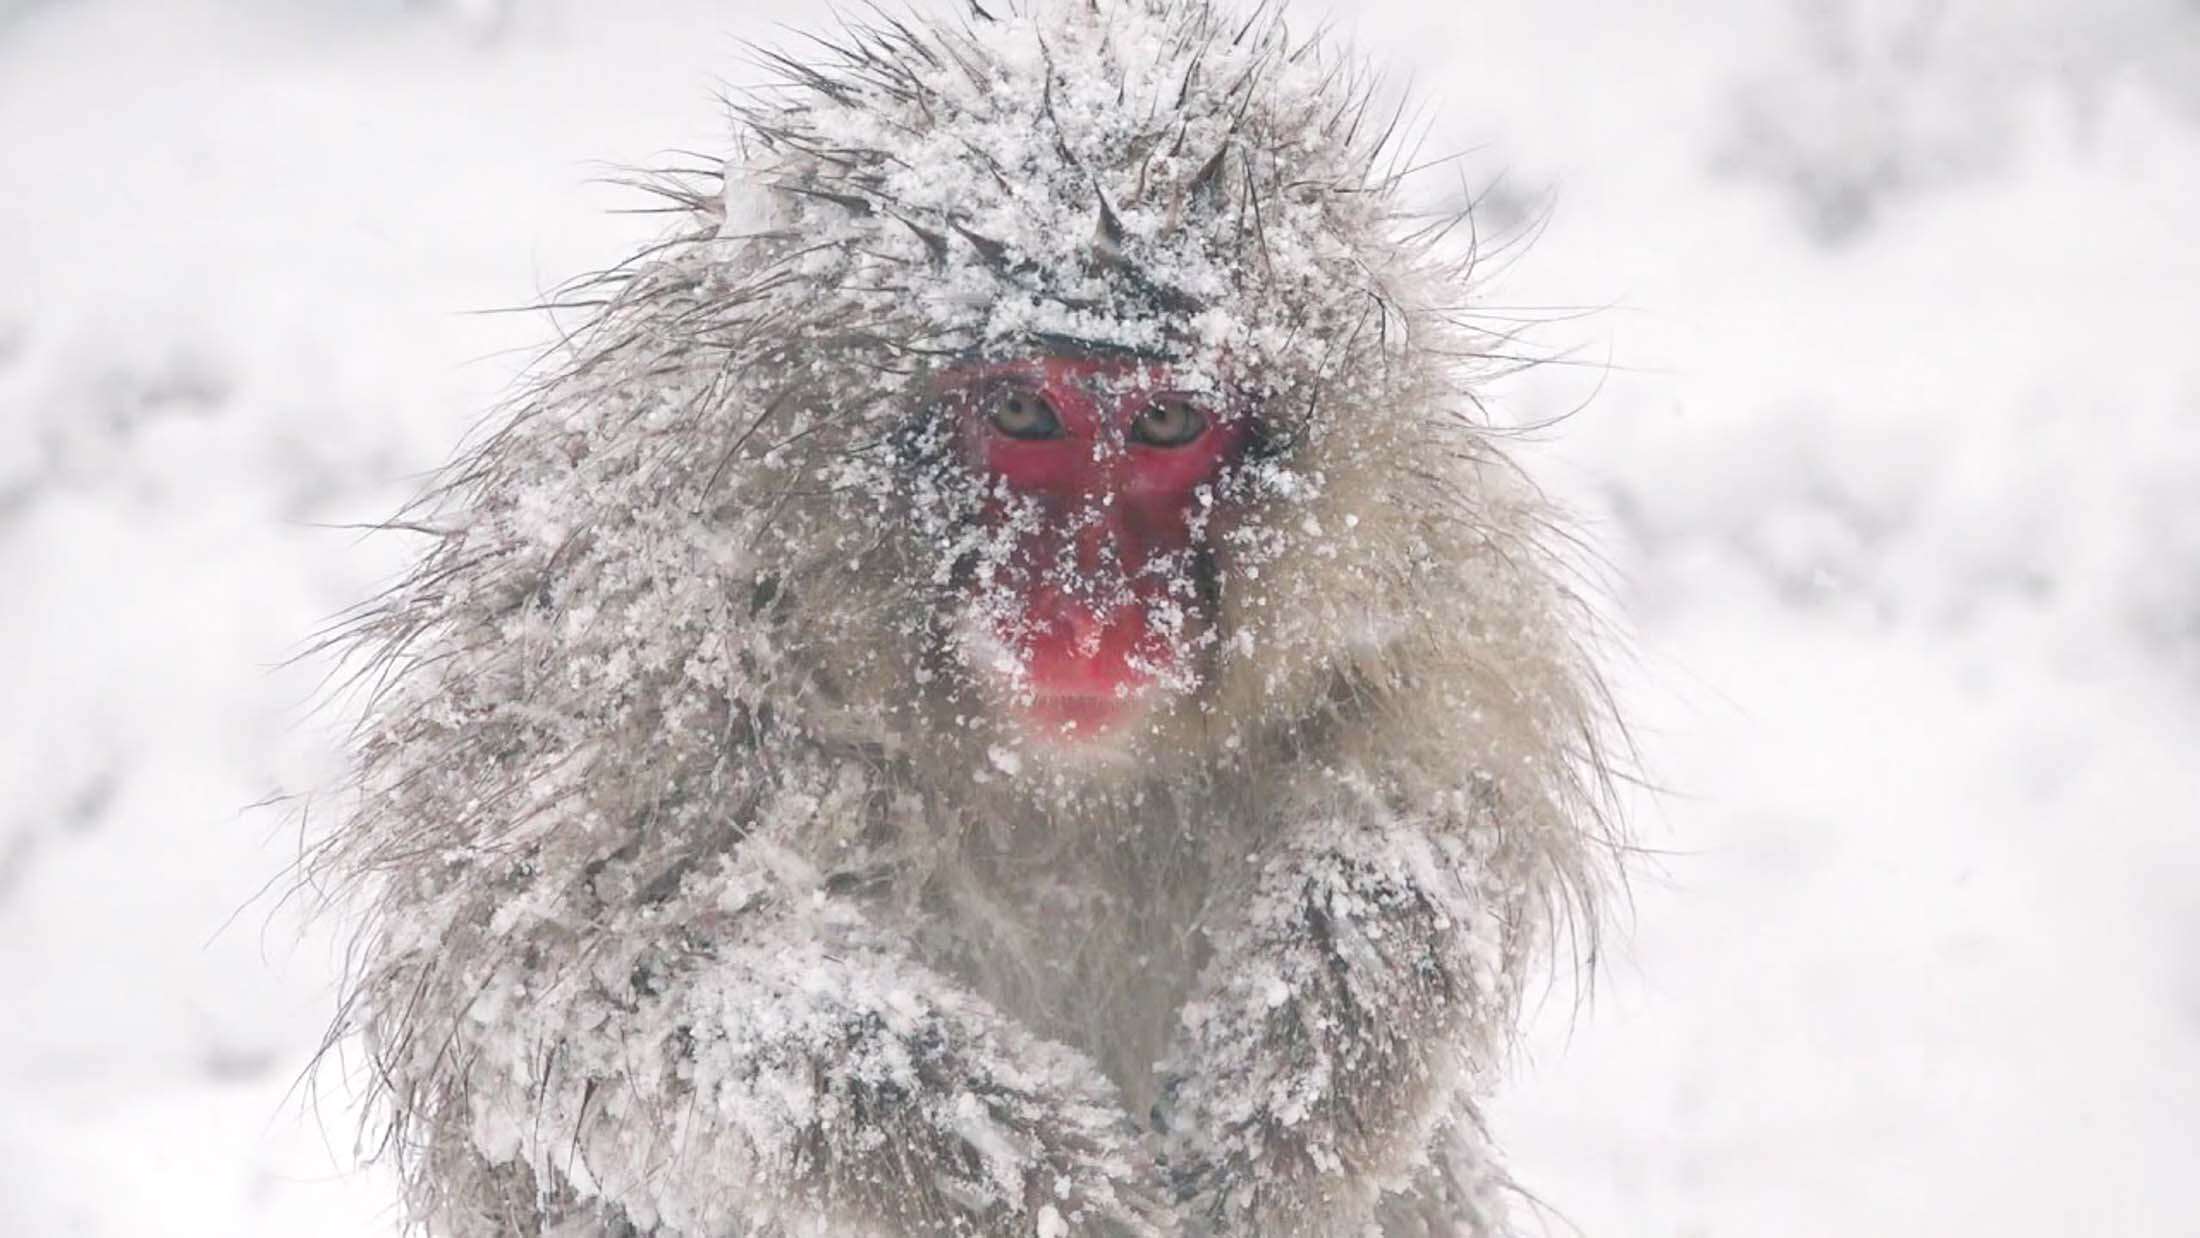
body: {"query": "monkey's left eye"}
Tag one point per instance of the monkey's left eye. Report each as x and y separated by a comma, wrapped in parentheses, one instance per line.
(1171, 421)
(1022, 414)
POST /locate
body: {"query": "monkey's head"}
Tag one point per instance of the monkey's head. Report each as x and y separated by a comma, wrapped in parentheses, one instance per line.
(1114, 390)
(1062, 393)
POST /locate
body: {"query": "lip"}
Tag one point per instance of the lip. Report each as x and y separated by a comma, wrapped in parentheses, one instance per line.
(1076, 716)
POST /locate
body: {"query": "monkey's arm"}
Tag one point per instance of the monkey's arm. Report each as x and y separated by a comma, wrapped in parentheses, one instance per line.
(779, 1068)
(1332, 1031)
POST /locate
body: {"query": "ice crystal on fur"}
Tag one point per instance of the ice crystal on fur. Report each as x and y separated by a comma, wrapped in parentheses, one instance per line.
(707, 892)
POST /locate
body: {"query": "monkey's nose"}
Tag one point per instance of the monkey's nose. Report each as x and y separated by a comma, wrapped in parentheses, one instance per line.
(1081, 645)
(1083, 628)
(1104, 538)
(1074, 627)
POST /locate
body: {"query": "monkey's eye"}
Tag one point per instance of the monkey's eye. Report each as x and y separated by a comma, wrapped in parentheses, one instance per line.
(1171, 421)
(1022, 414)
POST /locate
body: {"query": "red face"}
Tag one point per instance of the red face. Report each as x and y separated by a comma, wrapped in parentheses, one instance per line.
(1104, 464)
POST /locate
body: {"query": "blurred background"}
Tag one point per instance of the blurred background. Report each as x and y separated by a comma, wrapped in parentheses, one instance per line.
(1889, 431)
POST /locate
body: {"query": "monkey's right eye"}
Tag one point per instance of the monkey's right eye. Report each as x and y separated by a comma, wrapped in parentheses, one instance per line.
(1022, 414)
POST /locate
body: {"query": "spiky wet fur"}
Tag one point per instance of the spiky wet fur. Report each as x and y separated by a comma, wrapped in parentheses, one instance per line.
(703, 891)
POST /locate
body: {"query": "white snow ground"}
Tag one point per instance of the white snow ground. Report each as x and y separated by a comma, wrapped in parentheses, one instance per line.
(1896, 462)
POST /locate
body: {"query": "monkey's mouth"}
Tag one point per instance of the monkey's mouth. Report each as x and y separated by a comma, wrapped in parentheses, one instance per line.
(1069, 687)
(1074, 692)
(1073, 717)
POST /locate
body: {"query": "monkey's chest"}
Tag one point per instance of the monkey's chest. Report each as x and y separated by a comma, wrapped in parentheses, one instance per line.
(1099, 955)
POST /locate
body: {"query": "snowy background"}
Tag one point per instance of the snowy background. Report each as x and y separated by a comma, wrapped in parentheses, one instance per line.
(1891, 439)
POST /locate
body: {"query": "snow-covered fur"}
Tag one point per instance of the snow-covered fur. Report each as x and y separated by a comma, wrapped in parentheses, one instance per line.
(706, 894)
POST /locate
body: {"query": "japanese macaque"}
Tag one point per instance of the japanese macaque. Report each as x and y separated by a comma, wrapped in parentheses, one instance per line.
(999, 685)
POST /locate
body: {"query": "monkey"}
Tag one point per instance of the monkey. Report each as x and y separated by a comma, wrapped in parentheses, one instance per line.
(998, 682)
